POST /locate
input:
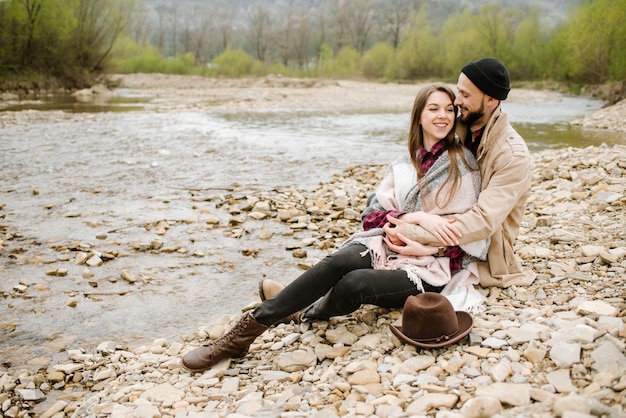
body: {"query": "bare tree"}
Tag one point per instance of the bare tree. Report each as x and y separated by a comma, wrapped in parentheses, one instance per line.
(259, 18)
(285, 27)
(321, 20)
(363, 12)
(186, 32)
(174, 24)
(396, 15)
(199, 21)
(302, 39)
(353, 20)
(162, 18)
(340, 12)
(140, 26)
(225, 17)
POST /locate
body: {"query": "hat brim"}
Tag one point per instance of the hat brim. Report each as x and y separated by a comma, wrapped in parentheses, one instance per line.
(464, 320)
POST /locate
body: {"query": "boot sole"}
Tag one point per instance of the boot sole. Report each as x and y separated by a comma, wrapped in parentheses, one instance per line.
(192, 370)
(182, 364)
(261, 292)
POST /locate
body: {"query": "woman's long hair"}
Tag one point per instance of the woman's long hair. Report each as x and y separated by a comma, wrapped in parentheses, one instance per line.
(453, 144)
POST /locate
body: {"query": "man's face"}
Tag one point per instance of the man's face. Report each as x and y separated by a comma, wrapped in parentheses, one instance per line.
(471, 103)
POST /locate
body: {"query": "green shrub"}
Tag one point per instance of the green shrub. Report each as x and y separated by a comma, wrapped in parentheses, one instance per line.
(377, 61)
(348, 61)
(233, 63)
(325, 59)
(129, 57)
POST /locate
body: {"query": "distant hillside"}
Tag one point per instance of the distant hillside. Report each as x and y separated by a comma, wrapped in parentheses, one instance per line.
(554, 10)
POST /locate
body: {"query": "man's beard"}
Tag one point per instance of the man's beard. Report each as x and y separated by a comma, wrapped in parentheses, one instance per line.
(472, 117)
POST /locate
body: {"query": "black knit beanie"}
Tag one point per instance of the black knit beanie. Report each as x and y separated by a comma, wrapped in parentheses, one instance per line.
(490, 76)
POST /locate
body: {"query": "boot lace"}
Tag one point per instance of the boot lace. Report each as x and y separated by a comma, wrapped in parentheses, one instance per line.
(227, 338)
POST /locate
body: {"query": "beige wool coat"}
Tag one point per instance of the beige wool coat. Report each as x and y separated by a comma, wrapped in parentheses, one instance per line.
(504, 163)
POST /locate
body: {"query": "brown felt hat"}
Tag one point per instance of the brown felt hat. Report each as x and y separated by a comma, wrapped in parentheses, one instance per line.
(430, 321)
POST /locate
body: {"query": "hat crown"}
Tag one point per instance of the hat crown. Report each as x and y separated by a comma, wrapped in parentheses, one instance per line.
(490, 76)
(429, 316)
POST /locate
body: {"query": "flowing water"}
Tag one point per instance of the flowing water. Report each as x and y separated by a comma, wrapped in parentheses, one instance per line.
(98, 174)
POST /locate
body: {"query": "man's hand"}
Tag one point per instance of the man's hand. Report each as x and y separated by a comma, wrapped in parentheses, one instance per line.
(441, 228)
(410, 247)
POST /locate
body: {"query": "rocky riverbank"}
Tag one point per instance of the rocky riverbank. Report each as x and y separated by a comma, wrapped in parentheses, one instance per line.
(555, 348)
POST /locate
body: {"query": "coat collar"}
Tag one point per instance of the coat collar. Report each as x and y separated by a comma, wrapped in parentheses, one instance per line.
(496, 124)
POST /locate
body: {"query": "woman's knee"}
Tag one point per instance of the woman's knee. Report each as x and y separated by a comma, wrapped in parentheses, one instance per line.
(352, 284)
(347, 259)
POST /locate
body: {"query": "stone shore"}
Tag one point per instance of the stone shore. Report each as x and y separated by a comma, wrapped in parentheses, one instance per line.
(555, 348)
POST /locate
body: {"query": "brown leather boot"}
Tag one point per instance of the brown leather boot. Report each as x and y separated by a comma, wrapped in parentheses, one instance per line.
(269, 288)
(234, 343)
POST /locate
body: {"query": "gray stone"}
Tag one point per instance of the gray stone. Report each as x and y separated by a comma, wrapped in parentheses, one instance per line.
(341, 335)
(494, 342)
(561, 381)
(507, 393)
(164, 393)
(565, 354)
(608, 357)
(597, 307)
(431, 401)
(571, 403)
(295, 361)
(481, 407)
(35, 395)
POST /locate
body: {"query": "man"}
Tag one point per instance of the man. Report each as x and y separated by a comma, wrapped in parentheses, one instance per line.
(504, 163)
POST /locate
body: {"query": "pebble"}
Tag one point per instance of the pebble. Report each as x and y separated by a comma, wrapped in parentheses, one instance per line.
(555, 348)
(481, 407)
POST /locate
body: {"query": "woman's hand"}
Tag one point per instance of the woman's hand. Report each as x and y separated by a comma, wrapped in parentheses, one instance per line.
(410, 247)
(392, 228)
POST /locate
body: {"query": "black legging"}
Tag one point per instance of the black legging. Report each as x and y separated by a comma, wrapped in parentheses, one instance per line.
(344, 281)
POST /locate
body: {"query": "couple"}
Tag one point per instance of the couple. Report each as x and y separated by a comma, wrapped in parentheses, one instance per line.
(444, 218)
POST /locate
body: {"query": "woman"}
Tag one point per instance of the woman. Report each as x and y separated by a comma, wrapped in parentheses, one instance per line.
(438, 176)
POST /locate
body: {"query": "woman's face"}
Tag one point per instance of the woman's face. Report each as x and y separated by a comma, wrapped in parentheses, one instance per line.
(437, 118)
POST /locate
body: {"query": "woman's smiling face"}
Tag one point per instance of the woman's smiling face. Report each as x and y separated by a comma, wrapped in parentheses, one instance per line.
(437, 118)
